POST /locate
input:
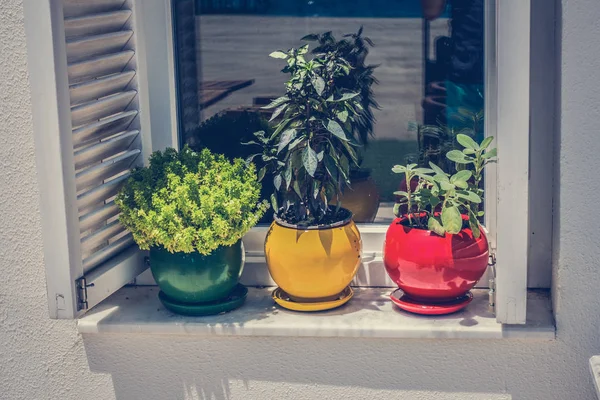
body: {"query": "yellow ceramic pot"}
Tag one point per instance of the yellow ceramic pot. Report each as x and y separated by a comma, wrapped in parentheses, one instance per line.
(362, 198)
(313, 264)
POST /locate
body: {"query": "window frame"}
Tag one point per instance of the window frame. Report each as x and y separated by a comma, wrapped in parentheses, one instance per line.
(507, 75)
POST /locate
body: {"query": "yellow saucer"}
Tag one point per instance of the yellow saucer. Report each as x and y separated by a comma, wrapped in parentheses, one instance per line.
(283, 299)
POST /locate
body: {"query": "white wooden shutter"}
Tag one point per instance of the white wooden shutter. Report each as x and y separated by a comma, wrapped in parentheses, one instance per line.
(84, 156)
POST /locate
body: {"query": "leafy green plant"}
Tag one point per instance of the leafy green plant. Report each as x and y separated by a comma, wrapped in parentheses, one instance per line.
(312, 147)
(190, 201)
(354, 48)
(453, 195)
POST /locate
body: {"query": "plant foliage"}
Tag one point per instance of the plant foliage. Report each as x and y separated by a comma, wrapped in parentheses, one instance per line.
(190, 201)
(313, 145)
(354, 48)
(453, 195)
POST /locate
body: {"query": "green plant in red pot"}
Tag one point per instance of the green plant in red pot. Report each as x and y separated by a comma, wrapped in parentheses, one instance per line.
(191, 209)
(434, 256)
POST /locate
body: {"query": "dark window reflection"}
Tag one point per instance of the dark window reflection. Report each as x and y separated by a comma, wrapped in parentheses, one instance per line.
(427, 57)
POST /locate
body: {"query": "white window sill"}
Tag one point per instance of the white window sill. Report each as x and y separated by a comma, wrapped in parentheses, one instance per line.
(370, 314)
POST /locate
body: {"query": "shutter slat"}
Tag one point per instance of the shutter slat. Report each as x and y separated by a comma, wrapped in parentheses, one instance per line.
(75, 8)
(104, 128)
(97, 45)
(105, 170)
(99, 66)
(96, 217)
(96, 24)
(107, 106)
(91, 90)
(100, 193)
(107, 252)
(98, 152)
(95, 239)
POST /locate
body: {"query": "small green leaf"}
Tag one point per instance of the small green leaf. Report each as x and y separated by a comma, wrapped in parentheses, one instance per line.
(489, 154)
(343, 116)
(434, 201)
(399, 169)
(423, 171)
(295, 142)
(336, 129)
(279, 54)
(467, 141)
(318, 83)
(274, 202)
(345, 96)
(470, 196)
(451, 219)
(400, 193)
(446, 186)
(441, 178)
(278, 111)
(463, 175)
(434, 225)
(297, 188)
(320, 155)
(436, 169)
(397, 209)
(316, 188)
(261, 173)
(457, 156)
(474, 225)
(486, 142)
(277, 181)
(286, 138)
(303, 49)
(461, 184)
(277, 102)
(310, 161)
(287, 175)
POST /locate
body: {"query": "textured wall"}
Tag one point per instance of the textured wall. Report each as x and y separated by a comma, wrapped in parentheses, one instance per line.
(44, 359)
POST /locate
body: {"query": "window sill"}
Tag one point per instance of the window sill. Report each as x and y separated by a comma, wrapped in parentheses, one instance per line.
(370, 314)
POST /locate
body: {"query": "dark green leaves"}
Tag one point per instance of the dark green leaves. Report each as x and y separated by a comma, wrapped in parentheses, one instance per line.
(277, 102)
(285, 139)
(318, 83)
(310, 161)
(336, 129)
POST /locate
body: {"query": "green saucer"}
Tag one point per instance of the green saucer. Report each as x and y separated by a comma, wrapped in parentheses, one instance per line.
(235, 299)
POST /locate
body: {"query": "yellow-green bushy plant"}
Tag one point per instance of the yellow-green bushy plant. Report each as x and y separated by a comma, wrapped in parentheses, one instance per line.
(190, 201)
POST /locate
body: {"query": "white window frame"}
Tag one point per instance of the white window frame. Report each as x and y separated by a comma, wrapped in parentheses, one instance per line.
(507, 117)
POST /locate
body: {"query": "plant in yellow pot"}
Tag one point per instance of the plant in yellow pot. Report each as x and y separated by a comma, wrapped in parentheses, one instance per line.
(313, 247)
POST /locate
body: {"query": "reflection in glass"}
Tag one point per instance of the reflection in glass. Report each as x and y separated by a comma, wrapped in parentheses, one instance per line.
(424, 79)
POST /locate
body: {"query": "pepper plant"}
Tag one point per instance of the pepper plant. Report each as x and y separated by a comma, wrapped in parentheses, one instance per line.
(354, 47)
(440, 199)
(312, 147)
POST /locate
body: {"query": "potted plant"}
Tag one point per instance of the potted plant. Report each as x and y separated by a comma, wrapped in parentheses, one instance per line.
(436, 250)
(312, 247)
(191, 209)
(362, 196)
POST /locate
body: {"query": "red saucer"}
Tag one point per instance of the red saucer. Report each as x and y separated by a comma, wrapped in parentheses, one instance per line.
(407, 304)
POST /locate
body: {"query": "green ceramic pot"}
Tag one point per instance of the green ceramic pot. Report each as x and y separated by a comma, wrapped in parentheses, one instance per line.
(192, 278)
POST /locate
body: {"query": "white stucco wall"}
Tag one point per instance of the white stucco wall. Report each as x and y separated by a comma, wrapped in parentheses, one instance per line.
(45, 359)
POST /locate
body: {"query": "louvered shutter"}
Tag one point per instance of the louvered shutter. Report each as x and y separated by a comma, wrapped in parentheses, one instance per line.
(101, 67)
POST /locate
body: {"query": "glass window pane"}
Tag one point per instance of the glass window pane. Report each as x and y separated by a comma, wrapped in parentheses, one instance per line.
(425, 57)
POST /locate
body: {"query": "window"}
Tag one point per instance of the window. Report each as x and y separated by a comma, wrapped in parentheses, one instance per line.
(199, 63)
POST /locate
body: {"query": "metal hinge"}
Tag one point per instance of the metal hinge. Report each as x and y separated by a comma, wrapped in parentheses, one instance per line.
(82, 294)
(492, 283)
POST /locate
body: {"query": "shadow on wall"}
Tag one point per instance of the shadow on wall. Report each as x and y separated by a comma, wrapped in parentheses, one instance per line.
(182, 367)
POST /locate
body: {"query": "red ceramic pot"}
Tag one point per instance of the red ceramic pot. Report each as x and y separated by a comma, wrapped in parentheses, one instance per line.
(432, 268)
